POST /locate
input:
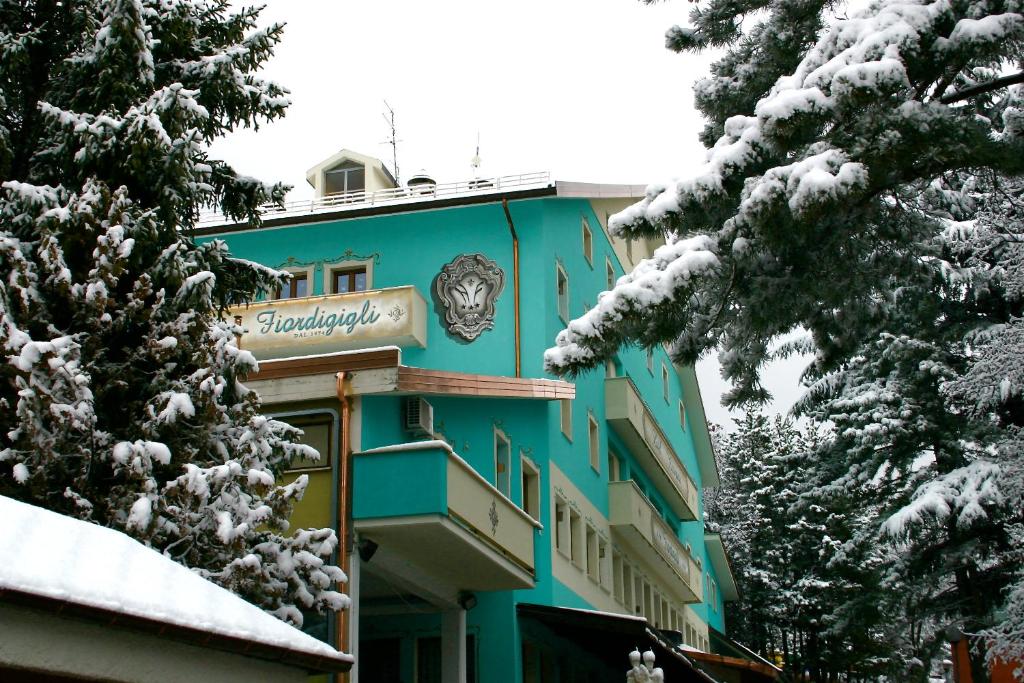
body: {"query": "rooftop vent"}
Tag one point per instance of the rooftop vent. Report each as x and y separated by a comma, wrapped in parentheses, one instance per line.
(421, 182)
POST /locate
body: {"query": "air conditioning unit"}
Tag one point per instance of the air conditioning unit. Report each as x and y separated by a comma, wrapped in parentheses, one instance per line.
(418, 416)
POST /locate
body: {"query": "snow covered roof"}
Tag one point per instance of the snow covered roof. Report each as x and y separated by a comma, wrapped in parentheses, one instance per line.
(59, 558)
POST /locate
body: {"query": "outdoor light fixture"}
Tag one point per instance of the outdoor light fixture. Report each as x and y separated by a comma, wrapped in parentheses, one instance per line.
(467, 600)
(367, 549)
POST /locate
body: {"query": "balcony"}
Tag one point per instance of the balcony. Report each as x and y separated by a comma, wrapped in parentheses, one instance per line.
(335, 322)
(634, 423)
(635, 521)
(438, 519)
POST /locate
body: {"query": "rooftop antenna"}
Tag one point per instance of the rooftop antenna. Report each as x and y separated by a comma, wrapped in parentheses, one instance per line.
(392, 140)
(475, 161)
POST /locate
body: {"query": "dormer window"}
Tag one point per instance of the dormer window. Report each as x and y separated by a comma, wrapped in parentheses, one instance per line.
(346, 177)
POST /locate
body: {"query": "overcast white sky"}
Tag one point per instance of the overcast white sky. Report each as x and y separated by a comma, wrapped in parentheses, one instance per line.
(582, 88)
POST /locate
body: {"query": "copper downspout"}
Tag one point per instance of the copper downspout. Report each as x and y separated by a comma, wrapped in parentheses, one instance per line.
(345, 539)
(515, 279)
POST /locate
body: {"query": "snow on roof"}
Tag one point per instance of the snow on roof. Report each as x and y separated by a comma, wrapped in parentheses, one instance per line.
(62, 558)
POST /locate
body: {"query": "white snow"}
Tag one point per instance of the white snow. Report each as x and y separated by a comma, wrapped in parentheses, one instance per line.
(59, 557)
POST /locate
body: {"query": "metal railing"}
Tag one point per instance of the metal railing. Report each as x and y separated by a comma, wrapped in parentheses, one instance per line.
(394, 195)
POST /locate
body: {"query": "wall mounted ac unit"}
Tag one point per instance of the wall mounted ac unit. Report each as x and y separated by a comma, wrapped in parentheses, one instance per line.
(418, 416)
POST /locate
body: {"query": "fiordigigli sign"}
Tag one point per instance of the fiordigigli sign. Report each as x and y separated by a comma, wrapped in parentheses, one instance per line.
(337, 322)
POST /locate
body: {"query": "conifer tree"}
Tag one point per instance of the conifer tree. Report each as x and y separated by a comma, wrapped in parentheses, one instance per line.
(121, 399)
(862, 184)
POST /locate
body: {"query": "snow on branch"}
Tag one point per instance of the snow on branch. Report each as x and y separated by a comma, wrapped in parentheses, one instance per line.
(964, 492)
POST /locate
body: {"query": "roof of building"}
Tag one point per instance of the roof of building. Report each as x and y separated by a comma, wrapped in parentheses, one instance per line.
(348, 155)
(54, 561)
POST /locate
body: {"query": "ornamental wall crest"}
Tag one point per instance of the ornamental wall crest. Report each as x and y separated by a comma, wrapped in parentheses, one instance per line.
(468, 288)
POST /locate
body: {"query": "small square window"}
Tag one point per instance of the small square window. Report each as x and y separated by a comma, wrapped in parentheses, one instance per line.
(588, 241)
(594, 434)
(565, 417)
(297, 287)
(562, 290)
(345, 280)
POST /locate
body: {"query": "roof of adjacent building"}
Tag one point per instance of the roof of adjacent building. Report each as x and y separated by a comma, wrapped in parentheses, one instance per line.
(55, 561)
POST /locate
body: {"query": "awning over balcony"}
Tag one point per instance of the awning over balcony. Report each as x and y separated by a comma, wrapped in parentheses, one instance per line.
(635, 424)
(637, 524)
(322, 324)
(437, 521)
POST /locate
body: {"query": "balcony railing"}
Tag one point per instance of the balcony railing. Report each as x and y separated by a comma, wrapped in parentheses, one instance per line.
(634, 423)
(396, 195)
(649, 538)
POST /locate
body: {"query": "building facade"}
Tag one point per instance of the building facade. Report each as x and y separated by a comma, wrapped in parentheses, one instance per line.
(491, 509)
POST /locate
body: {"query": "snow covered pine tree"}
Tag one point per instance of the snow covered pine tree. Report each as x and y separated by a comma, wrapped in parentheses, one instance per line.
(857, 170)
(120, 395)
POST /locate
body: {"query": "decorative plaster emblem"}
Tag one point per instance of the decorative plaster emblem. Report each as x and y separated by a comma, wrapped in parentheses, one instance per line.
(493, 515)
(396, 313)
(468, 288)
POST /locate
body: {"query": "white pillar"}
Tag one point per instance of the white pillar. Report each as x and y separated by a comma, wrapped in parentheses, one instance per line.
(352, 589)
(453, 646)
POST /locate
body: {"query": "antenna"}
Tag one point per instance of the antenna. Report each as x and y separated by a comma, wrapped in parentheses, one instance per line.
(393, 140)
(475, 161)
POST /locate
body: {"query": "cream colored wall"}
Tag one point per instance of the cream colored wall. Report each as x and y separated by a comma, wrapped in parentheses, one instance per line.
(641, 249)
(39, 641)
(602, 597)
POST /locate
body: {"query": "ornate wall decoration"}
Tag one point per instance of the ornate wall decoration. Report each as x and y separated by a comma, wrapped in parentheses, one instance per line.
(468, 288)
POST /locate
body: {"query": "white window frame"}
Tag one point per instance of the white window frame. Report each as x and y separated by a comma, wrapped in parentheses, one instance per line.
(665, 389)
(562, 300)
(577, 538)
(565, 417)
(563, 538)
(347, 264)
(594, 441)
(501, 437)
(529, 480)
(588, 241)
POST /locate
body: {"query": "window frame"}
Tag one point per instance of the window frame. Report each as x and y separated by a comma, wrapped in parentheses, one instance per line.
(665, 388)
(609, 273)
(297, 274)
(577, 539)
(563, 538)
(315, 420)
(594, 441)
(499, 438)
(345, 168)
(348, 264)
(529, 470)
(565, 417)
(562, 301)
(588, 241)
(682, 414)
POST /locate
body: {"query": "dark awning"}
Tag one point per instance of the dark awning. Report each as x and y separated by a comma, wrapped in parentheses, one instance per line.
(610, 637)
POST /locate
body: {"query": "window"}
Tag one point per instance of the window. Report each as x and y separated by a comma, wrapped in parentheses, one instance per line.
(604, 563)
(656, 606)
(614, 466)
(595, 442)
(682, 415)
(562, 288)
(664, 381)
(650, 361)
(502, 462)
(565, 417)
(298, 286)
(627, 588)
(531, 487)
(576, 540)
(561, 525)
(344, 280)
(588, 241)
(348, 177)
(316, 432)
(648, 602)
(617, 584)
(609, 273)
(593, 557)
(629, 250)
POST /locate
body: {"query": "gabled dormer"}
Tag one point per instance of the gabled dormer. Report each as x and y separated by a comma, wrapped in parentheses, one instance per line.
(349, 171)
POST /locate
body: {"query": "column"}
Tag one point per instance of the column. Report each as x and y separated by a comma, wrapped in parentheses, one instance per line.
(453, 646)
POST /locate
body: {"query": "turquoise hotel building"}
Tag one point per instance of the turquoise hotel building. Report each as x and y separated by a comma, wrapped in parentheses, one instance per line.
(501, 525)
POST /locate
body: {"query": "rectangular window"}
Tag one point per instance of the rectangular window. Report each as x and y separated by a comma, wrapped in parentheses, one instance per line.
(682, 415)
(604, 564)
(502, 462)
(561, 525)
(629, 250)
(609, 273)
(576, 540)
(348, 177)
(588, 241)
(344, 280)
(562, 290)
(617, 587)
(665, 623)
(595, 442)
(627, 588)
(650, 361)
(298, 286)
(531, 487)
(593, 558)
(656, 604)
(317, 434)
(648, 602)
(614, 466)
(664, 381)
(565, 417)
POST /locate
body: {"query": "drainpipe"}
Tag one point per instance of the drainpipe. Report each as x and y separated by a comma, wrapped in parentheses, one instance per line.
(515, 279)
(344, 512)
